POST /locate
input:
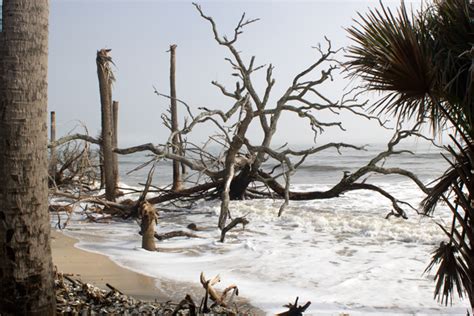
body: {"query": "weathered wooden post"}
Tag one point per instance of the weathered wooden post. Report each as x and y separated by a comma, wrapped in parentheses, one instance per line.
(177, 181)
(106, 77)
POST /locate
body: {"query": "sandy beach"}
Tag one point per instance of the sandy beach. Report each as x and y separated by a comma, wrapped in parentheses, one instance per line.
(98, 270)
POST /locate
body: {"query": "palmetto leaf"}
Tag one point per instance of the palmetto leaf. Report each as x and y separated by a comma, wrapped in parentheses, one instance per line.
(456, 258)
(449, 274)
(423, 64)
(390, 56)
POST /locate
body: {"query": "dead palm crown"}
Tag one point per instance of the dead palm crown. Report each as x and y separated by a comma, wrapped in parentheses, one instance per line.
(423, 63)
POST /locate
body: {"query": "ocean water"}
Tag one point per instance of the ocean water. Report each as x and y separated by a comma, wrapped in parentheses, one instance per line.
(341, 254)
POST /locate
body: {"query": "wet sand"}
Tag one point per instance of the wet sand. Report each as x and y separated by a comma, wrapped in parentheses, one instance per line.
(98, 269)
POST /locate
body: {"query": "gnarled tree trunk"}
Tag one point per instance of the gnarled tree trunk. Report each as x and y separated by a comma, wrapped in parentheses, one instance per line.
(26, 269)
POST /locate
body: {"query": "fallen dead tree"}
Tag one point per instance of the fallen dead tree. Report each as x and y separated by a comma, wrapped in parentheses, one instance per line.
(248, 168)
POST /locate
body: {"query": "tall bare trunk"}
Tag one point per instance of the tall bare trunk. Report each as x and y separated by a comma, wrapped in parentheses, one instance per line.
(26, 269)
(106, 78)
(177, 181)
(52, 152)
(115, 109)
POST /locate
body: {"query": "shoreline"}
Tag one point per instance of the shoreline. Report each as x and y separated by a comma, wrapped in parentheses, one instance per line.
(98, 269)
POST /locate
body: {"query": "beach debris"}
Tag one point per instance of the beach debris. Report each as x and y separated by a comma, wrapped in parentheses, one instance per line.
(175, 233)
(188, 303)
(232, 224)
(294, 309)
(56, 208)
(149, 219)
(218, 299)
(74, 297)
(193, 226)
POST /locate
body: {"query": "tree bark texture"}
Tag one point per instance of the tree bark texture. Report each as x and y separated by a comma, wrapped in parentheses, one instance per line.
(106, 78)
(26, 269)
(177, 181)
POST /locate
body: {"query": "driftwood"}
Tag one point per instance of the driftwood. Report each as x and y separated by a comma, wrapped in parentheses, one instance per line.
(197, 190)
(75, 297)
(218, 299)
(294, 309)
(244, 163)
(148, 223)
(187, 303)
(60, 208)
(232, 224)
(176, 233)
(69, 138)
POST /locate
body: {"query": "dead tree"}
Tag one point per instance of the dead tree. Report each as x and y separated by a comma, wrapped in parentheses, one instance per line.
(177, 181)
(52, 151)
(115, 110)
(300, 98)
(242, 162)
(74, 162)
(106, 78)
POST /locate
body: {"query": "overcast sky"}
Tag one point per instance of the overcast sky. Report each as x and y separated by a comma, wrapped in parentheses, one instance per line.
(139, 34)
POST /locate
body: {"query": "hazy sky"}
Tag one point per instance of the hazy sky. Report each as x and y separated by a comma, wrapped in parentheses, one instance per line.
(139, 34)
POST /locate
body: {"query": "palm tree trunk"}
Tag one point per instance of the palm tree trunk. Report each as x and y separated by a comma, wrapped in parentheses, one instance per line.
(26, 269)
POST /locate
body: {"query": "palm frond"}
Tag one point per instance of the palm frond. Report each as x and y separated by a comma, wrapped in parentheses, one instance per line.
(456, 258)
(390, 56)
(442, 187)
(449, 274)
(422, 62)
(452, 29)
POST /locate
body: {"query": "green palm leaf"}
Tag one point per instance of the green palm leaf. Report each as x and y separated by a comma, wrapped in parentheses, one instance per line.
(423, 64)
